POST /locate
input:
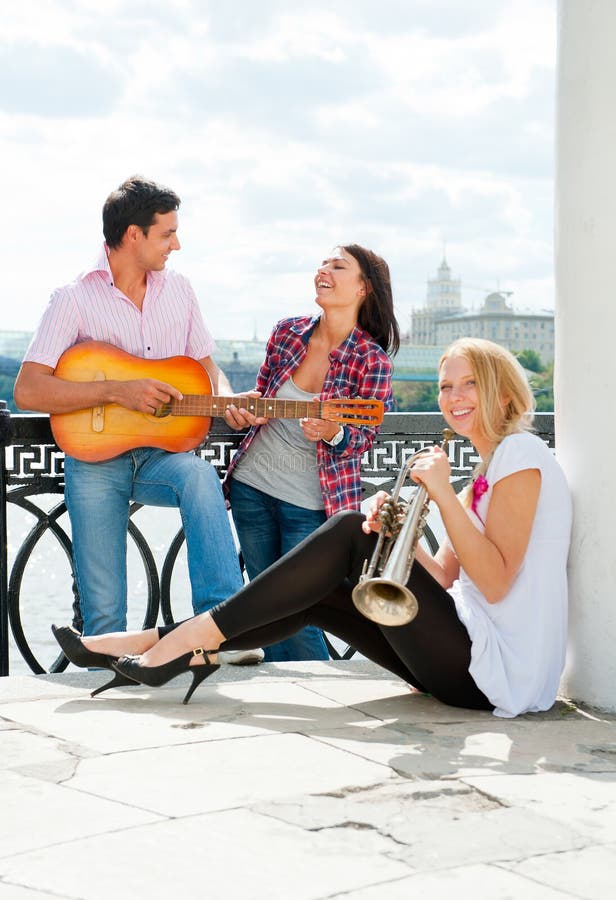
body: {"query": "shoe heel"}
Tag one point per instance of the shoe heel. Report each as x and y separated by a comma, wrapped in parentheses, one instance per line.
(117, 681)
(199, 674)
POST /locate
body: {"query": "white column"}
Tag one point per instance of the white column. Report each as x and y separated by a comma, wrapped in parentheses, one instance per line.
(585, 380)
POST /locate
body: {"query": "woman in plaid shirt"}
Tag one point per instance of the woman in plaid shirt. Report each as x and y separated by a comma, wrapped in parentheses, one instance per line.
(288, 477)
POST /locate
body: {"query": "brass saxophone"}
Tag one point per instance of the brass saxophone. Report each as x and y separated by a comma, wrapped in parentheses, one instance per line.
(381, 593)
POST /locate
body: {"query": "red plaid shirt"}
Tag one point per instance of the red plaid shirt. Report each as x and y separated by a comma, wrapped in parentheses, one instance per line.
(359, 368)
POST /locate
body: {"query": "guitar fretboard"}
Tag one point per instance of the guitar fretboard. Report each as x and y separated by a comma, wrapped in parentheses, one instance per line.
(268, 408)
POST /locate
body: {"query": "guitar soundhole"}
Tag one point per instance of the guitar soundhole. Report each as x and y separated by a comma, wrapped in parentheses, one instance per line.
(163, 411)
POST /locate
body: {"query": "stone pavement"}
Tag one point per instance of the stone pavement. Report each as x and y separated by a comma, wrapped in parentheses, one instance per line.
(302, 781)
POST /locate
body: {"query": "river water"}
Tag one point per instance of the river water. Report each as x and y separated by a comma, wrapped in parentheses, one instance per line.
(46, 585)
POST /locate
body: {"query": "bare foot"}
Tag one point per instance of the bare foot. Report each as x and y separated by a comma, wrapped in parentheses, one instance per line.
(119, 643)
(198, 632)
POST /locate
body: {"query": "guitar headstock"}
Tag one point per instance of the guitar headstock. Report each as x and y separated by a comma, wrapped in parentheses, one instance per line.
(353, 412)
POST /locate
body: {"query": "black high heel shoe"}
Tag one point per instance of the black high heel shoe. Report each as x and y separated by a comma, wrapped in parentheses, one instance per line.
(155, 676)
(74, 650)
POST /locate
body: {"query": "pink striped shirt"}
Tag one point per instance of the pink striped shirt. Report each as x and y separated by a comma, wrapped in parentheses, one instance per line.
(92, 308)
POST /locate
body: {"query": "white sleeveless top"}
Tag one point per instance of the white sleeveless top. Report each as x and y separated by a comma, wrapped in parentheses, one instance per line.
(518, 644)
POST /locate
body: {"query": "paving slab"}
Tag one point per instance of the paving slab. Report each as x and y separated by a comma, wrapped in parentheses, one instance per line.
(435, 825)
(311, 780)
(20, 750)
(496, 746)
(589, 873)
(202, 854)
(136, 718)
(376, 806)
(14, 892)
(36, 814)
(585, 802)
(445, 839)
(194, 778)
(482, 881)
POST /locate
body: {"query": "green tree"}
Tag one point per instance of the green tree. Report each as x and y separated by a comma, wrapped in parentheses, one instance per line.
(542, 385)
(531, 360)
(416, 396)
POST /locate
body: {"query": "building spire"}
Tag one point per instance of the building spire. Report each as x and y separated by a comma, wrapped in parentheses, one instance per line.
(444, 272)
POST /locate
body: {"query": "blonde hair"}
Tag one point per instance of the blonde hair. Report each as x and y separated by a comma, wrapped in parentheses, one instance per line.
(505, 401)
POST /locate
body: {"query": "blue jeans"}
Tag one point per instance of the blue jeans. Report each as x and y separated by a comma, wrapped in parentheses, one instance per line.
(97, 498)
(268, 528)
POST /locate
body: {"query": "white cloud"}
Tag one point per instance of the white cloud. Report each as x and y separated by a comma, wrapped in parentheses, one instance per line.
(284, 133)
(305, 34)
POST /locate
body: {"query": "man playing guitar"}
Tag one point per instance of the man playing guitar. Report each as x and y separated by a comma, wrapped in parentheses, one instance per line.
(129, 300)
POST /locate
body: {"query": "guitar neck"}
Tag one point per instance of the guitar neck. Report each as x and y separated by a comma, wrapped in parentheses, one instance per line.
(267, 408)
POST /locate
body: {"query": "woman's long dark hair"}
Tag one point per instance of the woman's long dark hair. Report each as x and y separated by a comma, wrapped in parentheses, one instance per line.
(376, 314)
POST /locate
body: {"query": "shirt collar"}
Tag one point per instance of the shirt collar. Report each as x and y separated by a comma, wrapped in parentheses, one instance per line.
(304, 329)
(101, 265)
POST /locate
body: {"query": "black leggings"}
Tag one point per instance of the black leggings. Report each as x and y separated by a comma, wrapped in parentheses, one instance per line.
(312, 585)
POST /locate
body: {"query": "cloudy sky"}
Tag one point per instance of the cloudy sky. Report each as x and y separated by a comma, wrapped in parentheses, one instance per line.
(403, 125)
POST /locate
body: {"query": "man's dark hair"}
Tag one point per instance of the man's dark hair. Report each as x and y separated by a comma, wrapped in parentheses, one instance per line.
(135, 202)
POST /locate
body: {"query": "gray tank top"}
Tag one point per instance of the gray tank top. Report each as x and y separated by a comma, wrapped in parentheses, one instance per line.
(280, 461)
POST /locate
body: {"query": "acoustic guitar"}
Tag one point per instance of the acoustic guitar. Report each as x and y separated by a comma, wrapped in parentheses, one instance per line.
(102, 432)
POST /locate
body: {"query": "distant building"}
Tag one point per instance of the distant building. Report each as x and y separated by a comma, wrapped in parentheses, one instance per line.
(412, 363)
(498, 322)
(444, 298)
(443, 319)
(240, 361)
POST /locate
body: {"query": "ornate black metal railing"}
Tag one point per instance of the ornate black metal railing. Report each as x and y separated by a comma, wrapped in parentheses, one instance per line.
(32, 472)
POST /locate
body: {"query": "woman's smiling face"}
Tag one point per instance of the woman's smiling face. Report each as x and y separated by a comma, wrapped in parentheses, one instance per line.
(457, 397)
(339, 281)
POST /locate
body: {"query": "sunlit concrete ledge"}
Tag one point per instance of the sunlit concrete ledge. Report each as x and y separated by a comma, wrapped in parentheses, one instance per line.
(303, 780)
